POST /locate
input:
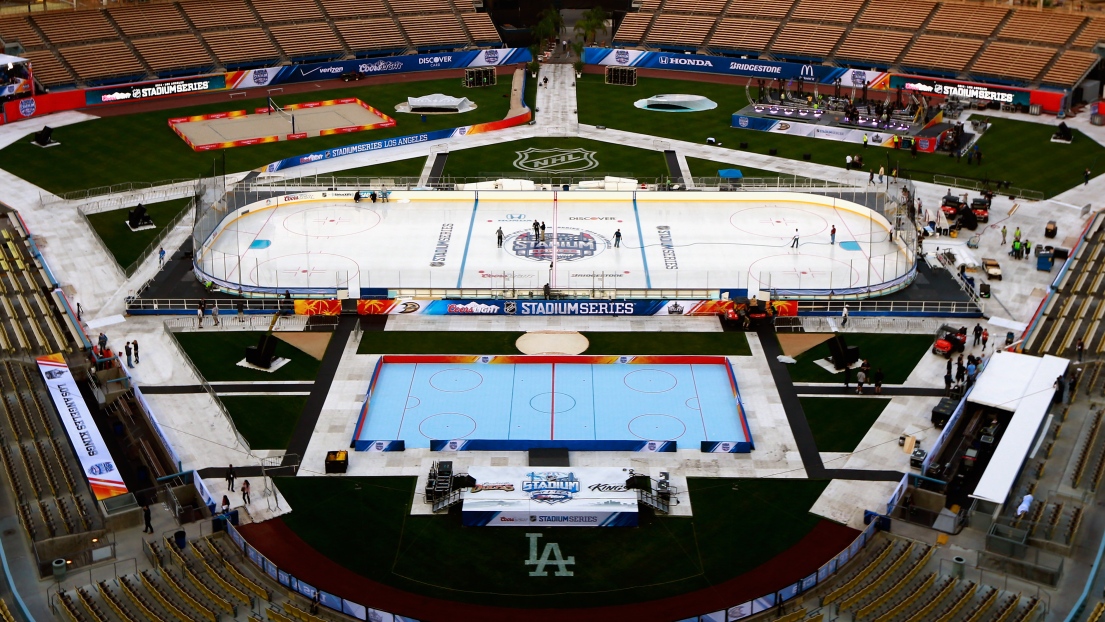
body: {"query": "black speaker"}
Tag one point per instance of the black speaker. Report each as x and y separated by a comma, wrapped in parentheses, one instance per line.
(639, 482)
(42, 138)
(773, 152)
(262, 354)
(983, 290)
(807, 156)
(137, 217)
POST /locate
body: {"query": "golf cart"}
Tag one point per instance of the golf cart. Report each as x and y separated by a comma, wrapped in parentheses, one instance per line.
(950, 340)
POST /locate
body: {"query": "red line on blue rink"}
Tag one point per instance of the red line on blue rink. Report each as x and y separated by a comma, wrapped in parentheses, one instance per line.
(552, 406)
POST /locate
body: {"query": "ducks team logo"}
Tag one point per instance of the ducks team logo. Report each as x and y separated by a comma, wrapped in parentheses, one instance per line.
(555, 160)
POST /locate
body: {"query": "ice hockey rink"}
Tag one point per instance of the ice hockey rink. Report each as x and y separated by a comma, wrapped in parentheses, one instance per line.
(318, 242)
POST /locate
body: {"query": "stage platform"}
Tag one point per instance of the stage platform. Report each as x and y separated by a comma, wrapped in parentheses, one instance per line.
(515, 403)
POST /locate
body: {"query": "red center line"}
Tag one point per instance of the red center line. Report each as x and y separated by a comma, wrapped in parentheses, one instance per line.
(552, 406)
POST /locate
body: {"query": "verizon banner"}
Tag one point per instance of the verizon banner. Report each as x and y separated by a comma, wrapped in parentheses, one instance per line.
(96, 462)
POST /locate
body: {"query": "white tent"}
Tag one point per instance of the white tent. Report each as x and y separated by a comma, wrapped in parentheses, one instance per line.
(438, 101)
(1023, 385)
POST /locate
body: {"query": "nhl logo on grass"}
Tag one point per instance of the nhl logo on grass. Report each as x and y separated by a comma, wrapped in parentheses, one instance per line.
(555, 160)
(27, 107)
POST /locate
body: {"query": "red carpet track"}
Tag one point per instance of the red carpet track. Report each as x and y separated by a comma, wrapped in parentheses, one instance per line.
(276, 541)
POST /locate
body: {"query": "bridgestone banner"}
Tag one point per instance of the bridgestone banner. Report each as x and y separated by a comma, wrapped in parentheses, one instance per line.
(96, 462)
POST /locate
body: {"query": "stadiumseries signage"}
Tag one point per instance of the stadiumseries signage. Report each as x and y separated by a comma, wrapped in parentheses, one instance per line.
(149, 90)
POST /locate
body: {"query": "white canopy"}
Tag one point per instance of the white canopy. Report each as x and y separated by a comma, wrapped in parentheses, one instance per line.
(438, 100)
(1023, 385)
(5, 59)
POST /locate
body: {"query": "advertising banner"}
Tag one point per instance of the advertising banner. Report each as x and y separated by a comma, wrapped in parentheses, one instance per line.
(528, 497)
(39, 105)
(956, 88)
(269, 76)
(96, 462)
(743, 122)
(141, 91)
(753, 68)
(545, 307)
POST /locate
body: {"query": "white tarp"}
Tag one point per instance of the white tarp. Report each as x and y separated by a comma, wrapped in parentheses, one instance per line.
(96, 461)
(1025, 385)
(439, 100)
(549, 497)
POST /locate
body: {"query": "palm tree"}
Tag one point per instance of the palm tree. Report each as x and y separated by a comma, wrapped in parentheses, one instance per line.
(591, 24)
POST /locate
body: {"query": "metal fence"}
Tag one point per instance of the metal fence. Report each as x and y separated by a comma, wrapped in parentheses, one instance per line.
(166, 185)
(967, 183)
(545, 182)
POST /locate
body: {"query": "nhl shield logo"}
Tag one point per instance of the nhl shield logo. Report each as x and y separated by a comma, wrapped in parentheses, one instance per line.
(555, 160)
(510, 307)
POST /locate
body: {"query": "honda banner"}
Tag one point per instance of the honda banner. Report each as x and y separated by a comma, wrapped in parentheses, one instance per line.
(96, 462)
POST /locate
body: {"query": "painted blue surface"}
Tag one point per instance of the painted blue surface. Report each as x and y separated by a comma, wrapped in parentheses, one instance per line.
(571, 402)
(260, 244)
(850, 246)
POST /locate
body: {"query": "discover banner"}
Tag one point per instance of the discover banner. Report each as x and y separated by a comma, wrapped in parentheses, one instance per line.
(96, 462)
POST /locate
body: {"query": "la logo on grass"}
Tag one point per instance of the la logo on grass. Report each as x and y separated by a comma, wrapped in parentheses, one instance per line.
(549, 556)
(555, 160)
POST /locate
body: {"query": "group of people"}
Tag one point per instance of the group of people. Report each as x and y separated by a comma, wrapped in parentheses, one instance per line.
(853, 162)
(383, 196)
(965, 373)
(865, 376)
(104, 357)
(1020, 249)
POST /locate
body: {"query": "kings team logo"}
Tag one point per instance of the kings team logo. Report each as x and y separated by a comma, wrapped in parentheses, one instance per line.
(555, 160)
(551, 486)
(27, 107)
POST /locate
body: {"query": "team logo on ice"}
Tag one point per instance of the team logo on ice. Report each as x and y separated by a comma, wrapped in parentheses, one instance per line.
(566, 244)
(555, 160)
(550, 486)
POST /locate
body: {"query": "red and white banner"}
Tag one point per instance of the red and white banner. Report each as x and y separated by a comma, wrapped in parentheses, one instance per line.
(96, 461)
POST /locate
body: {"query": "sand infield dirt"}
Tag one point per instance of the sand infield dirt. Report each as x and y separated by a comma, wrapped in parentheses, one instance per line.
(313, 344)
(552, 342)
(311, 121)
(794, 344)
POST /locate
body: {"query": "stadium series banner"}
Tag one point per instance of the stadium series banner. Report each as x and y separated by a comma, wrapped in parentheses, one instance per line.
(141, 91)
(288, 74)
(528, 497)
(96, 461)
(749, 67)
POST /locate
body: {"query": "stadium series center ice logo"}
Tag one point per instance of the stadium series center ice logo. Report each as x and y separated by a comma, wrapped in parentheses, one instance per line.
(550, 486)
(566, 244)
(555, 160)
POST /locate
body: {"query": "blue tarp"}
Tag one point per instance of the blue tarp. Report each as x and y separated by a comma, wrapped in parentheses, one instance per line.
(730, 173)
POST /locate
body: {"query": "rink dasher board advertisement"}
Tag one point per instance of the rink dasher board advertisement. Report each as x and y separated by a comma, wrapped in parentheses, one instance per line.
(98, 466)
(549, 497)
(749, 67)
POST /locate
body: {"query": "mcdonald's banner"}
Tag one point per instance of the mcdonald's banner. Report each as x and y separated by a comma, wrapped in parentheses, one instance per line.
(318, 307)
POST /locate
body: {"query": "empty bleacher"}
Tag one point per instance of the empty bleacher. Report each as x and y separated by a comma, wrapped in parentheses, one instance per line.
(1040, 27)
(743, 34)
(434, 30)
(173, 52)
(75, 26)
(683, 30)
(807, 40)
(354, 8)
(880, 46)
(210, 14)
(760, 8)
(1090, 35)
(371, 34)
(18, 29)
(1012, 60)
(840, 12)
(1070, 67)
(307, 40)
(963, 19)
(156, 19)
(892, 14)
(480, 27)
(939, 52)
(633, 27)
(237, 46)
(278, 11)
(406, 7)
(103, 60)
(47, 68)
(705, 7)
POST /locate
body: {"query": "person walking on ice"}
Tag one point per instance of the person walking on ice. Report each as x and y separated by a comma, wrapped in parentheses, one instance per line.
(618, 238)
(794, 240)
(844, 317)
(832, 235)
(499, 236)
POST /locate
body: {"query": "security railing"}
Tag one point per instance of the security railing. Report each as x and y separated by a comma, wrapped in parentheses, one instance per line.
(977, 185)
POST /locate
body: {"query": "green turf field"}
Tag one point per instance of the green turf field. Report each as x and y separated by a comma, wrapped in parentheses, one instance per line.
(495, 161)
(1019, 151)
(141, 147)
(266, 421)
(331, 514)
(897, 355)
(709, 168)
(492, 342)
(126, 245)
(216, 354)
(411, 167)
(840, 423)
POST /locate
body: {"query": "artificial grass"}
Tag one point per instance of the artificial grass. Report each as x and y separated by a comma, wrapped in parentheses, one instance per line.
(1018, 151)
(840, 423)
(709, 168)
(216, 354)
(494, 161)
(266, 421)
(660, 558)
(411, 167)
(126, 245)
(897, 355)
(645, 343)
(141, 147)
(438, 342)
(602, 343)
